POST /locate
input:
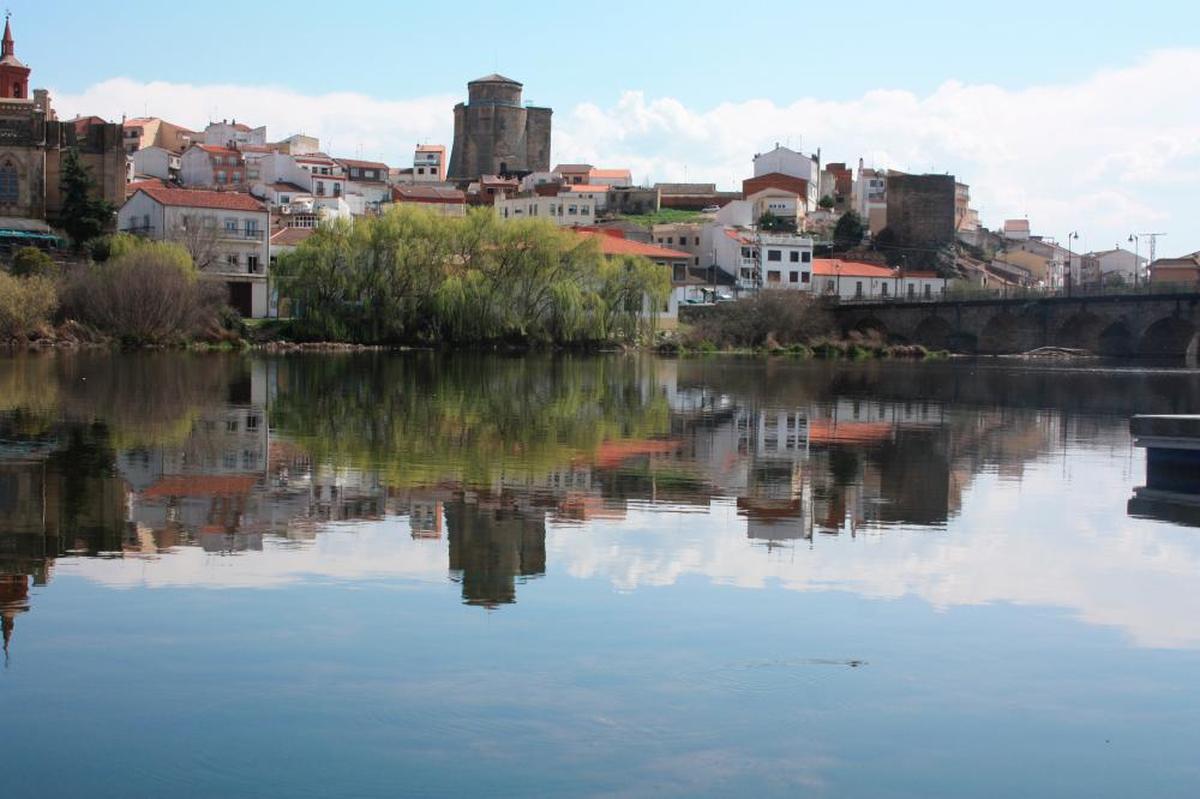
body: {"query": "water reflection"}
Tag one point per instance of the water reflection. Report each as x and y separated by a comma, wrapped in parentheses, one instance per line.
(499, 470)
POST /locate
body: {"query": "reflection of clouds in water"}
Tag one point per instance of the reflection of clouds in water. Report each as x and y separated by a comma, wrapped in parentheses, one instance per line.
(1076, 551)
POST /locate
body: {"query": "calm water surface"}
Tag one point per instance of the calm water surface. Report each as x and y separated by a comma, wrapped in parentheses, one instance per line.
(431, 576)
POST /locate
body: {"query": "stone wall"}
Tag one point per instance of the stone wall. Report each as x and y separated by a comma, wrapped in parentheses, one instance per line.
(920, 213)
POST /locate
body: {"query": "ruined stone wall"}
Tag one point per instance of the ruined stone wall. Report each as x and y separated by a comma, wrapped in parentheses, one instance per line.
(920, 211)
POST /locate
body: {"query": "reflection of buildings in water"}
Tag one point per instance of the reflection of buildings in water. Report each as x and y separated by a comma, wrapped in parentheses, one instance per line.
(493, 542)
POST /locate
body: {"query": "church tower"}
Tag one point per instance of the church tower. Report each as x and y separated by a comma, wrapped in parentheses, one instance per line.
(14, 76)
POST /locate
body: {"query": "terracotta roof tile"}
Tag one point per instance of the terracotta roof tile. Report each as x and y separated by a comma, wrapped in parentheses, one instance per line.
(202, 198)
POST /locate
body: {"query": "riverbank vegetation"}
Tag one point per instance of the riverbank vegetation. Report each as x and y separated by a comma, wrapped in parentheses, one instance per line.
(412, 276)
(141, 293)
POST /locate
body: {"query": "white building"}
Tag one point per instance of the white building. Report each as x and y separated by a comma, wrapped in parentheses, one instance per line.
(566, 210)
(785, 205)
(851, 280)
(229, 228)
(1120, 262)
(226, 133)
(785, 261)
(155, 162)
(783, 161)
(366, 179)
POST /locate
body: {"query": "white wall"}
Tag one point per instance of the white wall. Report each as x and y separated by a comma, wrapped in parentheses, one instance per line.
(556, 209)
(154, 162)
(195, 168)
(787, 162)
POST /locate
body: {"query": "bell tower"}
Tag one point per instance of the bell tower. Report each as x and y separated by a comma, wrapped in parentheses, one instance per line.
(14, 76)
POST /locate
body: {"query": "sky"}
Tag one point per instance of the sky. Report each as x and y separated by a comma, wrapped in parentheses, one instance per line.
(1082, 116)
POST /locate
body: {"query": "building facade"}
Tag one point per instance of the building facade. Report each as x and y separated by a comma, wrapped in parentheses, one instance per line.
(226, 233)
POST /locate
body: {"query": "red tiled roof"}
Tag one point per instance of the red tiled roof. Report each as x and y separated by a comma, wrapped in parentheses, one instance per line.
(216, 150)
(832, 267)
(202, 198)
(613, 242)
(283, 185)
(602, 189)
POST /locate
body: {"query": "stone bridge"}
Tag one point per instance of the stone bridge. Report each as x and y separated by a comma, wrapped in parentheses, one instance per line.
(1162, 326)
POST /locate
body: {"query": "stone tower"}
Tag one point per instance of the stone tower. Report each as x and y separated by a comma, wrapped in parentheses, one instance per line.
(494, 134)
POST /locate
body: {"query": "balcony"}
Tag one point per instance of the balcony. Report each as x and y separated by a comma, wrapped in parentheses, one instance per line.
(241, 234)
(145, 231)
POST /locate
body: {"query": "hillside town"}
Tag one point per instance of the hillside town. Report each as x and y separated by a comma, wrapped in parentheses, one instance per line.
(240, 197)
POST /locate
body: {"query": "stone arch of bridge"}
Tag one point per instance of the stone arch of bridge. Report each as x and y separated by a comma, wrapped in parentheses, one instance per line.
(1116, 340)
(935, 332)
(1008, 333)
(1171, 337)
(1081, 331)
(870, 326)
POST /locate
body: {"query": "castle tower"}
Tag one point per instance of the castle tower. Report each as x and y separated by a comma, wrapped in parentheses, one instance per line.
(495, 134)
(14, 76)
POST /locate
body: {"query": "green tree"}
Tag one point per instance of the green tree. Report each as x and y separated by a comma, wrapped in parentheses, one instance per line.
(84, 214)
(769, 221)
(848, 233)
(826, 202)
(32, 261)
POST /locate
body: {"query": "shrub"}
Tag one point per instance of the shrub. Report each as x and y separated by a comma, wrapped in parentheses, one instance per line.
(32, 261)
(25, 305)
(149, 295)
(779, 316)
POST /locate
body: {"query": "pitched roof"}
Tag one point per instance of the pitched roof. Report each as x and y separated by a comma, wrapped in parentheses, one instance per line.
(600, 187)
(428, 194)
(202, 198)
(833, 267)
(283, 185)
(291, 236)
(214, 149)
(613, 242)
(348, 162)
(573, 168)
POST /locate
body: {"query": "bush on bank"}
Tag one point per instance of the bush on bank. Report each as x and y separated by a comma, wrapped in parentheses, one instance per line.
(415, 276)
(26, 304)
(148, 294)
(772, 318)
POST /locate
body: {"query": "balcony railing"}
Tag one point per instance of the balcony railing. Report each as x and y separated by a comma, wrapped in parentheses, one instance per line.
(241, 234)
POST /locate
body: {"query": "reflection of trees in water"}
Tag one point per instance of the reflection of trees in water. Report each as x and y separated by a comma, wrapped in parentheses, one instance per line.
(492, 543)
(424, 418)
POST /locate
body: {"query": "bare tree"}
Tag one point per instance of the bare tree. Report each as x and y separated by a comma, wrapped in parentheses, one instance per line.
(199, 236)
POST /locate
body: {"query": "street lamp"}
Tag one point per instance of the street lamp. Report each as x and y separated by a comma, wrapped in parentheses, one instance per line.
(1133, 237)
(1070, 261)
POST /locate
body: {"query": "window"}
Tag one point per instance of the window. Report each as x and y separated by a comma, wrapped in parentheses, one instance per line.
(320, 188)
(697, 242)
(805, 277)
(230, 224)
(679, 273)
(884, 289)
(928, 291)
(793, 277)
(912, 290)
(858, 288)
(773, 276)
(584, 210)
(337, 189)
(572, 210)
(231, 260)
(421, 170)
(9, 183)
(252, 264)
(774, 255)
(794, 256)
(220, 176)
(670, 239)
(806, 257)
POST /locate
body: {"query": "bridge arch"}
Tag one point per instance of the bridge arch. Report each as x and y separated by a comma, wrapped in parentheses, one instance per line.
(935, 332)
(1080, 331)
(1170, 337)
(870, 326)
(1116, 340)
(1008, 333)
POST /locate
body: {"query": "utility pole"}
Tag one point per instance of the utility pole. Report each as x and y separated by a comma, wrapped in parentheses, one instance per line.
(1153, 241)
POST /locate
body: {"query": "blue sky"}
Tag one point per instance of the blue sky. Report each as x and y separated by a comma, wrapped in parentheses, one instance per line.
(1079, 115)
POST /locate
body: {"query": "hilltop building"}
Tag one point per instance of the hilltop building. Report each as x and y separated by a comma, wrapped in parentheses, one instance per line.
(494, 134)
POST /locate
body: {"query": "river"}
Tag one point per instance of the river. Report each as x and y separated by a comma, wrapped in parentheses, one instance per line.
(413, 574)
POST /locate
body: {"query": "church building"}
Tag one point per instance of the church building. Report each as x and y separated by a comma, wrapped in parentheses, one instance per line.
(33, 143)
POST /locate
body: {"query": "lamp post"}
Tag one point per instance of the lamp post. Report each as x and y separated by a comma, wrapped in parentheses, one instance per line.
(1070, 262)
(1134, 238)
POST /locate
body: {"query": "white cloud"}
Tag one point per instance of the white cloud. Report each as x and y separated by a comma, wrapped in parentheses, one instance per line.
(1105, 155)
